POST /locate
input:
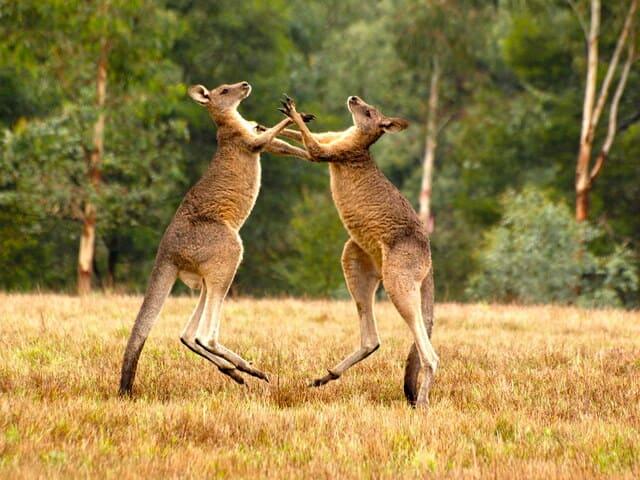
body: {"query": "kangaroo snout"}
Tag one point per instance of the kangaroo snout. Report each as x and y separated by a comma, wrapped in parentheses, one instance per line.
(245, 84)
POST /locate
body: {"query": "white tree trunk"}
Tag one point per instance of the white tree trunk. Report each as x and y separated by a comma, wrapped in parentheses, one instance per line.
(430, 151)
(613, 114)
(86, 249)
(585, 175)
(586, 135)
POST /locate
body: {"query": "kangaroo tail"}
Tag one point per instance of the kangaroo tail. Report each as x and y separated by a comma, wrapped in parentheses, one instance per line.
(413, 364)
(162, 279)
(411, 371)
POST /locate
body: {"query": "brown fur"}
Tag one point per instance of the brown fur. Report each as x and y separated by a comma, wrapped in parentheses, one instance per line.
(388, 241)
(201, 245)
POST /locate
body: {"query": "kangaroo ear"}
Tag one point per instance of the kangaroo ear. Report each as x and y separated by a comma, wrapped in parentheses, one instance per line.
(199, 94)
(393, 124)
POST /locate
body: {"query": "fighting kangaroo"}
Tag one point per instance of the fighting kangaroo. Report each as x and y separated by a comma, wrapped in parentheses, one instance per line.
(201, 245)
(388, 241)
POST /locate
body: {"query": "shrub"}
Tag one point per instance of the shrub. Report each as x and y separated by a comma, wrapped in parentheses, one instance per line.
(539, 254)
(317, 237)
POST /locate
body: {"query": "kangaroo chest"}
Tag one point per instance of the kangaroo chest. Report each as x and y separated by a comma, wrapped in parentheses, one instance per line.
(228, 190)
(238, 191)
(356, 195)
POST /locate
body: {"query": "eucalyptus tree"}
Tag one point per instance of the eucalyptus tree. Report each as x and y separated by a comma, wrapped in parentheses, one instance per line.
(439, 41)
(104, 65)
(595, 100)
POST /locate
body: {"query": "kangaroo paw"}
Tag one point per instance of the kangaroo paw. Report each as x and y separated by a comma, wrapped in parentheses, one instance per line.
(253, 372)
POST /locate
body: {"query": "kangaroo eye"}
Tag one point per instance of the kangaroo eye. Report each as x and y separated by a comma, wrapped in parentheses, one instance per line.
(368, 113)
(224, 91)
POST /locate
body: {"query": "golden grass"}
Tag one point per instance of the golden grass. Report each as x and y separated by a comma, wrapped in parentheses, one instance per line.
(542, 392)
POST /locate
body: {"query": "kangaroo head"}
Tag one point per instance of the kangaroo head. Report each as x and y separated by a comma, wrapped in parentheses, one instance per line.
(221, 101)
(371, 122)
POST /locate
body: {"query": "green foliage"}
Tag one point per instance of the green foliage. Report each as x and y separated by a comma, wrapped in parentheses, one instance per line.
(538, 254)
(550, 68)
(317, 237)
(44, 159)
(264, 235)
(532, 256)
(610, 280)
(510, 104)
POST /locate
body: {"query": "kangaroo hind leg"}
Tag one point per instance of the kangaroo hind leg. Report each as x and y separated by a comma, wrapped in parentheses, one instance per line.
(413, 366)
(403, 278)
(188, 338)
(217, 280)
(362, 279)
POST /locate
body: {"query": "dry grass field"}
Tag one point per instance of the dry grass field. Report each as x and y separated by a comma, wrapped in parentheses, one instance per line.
(541, 392)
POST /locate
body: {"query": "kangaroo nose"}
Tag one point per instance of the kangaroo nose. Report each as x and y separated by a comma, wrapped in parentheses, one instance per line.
(245, 84)
(353, 99)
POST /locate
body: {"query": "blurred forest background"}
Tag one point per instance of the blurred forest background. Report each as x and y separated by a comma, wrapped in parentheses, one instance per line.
(526, 115)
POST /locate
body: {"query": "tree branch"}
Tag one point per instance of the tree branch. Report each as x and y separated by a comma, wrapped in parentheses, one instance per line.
(613, 64)
(444, 122)
(613, 113)
(629, 122)
(592, 72)
(580, 18)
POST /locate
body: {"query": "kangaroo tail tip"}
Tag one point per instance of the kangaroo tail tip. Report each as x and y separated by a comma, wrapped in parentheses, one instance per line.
(411, 372)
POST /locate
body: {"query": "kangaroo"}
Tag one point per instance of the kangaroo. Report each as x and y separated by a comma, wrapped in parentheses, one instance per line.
(201, 245)
(388, 241)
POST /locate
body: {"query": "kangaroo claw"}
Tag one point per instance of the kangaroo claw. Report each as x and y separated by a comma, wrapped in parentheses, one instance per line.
(289, 101)
(308, 117)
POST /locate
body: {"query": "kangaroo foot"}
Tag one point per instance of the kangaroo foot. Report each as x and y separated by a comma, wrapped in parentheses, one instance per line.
(318, 382)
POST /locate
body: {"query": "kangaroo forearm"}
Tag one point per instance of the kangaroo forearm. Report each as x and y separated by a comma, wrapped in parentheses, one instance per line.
(327, 137)
(279, 147)
(315, 149)
(261, 140)
(319, 152)
(323, 137)
(291, 134)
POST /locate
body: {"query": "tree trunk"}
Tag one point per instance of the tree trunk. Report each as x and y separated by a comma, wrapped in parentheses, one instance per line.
(585, 175)
(613, 115)
(582, 205)
(583, 185)
(586, 135)
(425, 213)
(85, 253)
(86, 250)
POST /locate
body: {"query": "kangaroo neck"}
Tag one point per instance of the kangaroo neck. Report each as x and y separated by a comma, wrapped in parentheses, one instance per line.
(358, 161)
(232, 126)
